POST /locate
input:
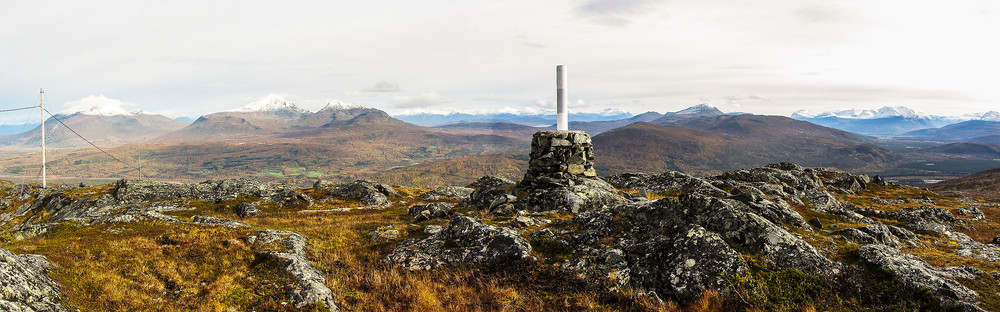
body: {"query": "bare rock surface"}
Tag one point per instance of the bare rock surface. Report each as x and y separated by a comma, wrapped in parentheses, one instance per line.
(447, 192)
(310, 285)
(918, 274)
(25, 284)
(429, 211)
(367, 192)
(464, 240)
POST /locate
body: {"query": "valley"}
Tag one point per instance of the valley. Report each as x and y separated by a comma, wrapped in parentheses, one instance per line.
(273, 140)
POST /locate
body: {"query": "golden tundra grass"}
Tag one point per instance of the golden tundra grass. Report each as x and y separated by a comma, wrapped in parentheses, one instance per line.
(154, 266)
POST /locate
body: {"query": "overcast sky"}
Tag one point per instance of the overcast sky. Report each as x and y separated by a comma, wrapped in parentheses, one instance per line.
(189, 58)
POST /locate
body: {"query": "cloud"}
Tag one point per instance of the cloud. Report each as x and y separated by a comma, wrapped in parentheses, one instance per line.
(383, 86)
(614, 12)
(423, 100)
(97, 105)
(819, 14)
(488, 97)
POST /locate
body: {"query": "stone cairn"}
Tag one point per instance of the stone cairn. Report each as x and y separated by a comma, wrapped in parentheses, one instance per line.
(559, 158)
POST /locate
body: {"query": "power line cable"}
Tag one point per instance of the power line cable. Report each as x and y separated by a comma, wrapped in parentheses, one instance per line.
(17, 109)
(89, 142)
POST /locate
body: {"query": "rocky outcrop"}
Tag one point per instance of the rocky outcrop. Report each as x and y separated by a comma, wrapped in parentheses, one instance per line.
(429, 211)
(776, 211)
(970, 248)
(917, 274)
(367, 192)
(25, 284)
(664, 182)
(206, 220)
(447, 192)
(785, 174)
(492, 194)
(292, 198)
(139, 191)
(310, 285)
(660, 237)
(246, 209)
(879, 233)
(464, 241)
(685, 265)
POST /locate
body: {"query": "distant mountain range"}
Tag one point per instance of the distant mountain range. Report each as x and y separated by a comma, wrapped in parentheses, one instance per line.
(886, 120)
(102, 130)
(967, 131)
(713, 144)
(529, 119)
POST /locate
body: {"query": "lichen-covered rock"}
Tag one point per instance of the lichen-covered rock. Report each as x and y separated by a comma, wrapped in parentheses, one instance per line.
(206, 220)
(971, 213)
(388, 232)
(138, 191)
(778, 212)
(25, 284)
(667, 181)
(310, 285)
(736, 224)
(491, 182)
(492, 192)
(968, 247)
(447, 192)
(292, 197)
(820, 199)
(464, 241)
(367, 192)
(879, 233)
(926, 218)
(787, 174)
(917, 274)
(429, 211)
(685, 265)
(246, 209)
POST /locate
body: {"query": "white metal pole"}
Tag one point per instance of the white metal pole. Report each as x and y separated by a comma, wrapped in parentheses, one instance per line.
(562, 117)
(42, 114)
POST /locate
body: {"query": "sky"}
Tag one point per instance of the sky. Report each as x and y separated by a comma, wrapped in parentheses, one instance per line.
(190, 58)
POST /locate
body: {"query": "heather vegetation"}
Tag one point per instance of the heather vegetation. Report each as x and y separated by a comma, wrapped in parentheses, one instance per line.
(207, 251)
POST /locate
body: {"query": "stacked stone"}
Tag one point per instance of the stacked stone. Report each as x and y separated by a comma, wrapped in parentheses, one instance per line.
(559, 158)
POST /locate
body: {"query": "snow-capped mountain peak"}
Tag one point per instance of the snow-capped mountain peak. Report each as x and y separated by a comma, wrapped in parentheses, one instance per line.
(98, 105)
(270, 103)
(900, 111)
(612, 111)
(338, 105)
(884, 112)
(698, 109)
(803, 114)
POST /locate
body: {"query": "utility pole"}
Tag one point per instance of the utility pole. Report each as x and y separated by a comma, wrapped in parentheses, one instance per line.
(140, 166)
(562, 117)
(42, 114)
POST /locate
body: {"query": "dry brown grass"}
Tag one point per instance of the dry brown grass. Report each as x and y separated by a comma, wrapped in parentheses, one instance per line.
(153, 266)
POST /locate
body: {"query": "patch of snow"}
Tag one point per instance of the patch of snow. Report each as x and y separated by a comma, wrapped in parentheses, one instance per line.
(612, 111)
(803, 114)
(271, 102)
(697, 109)
(338, 105)
(98, 105)
(990, 116)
